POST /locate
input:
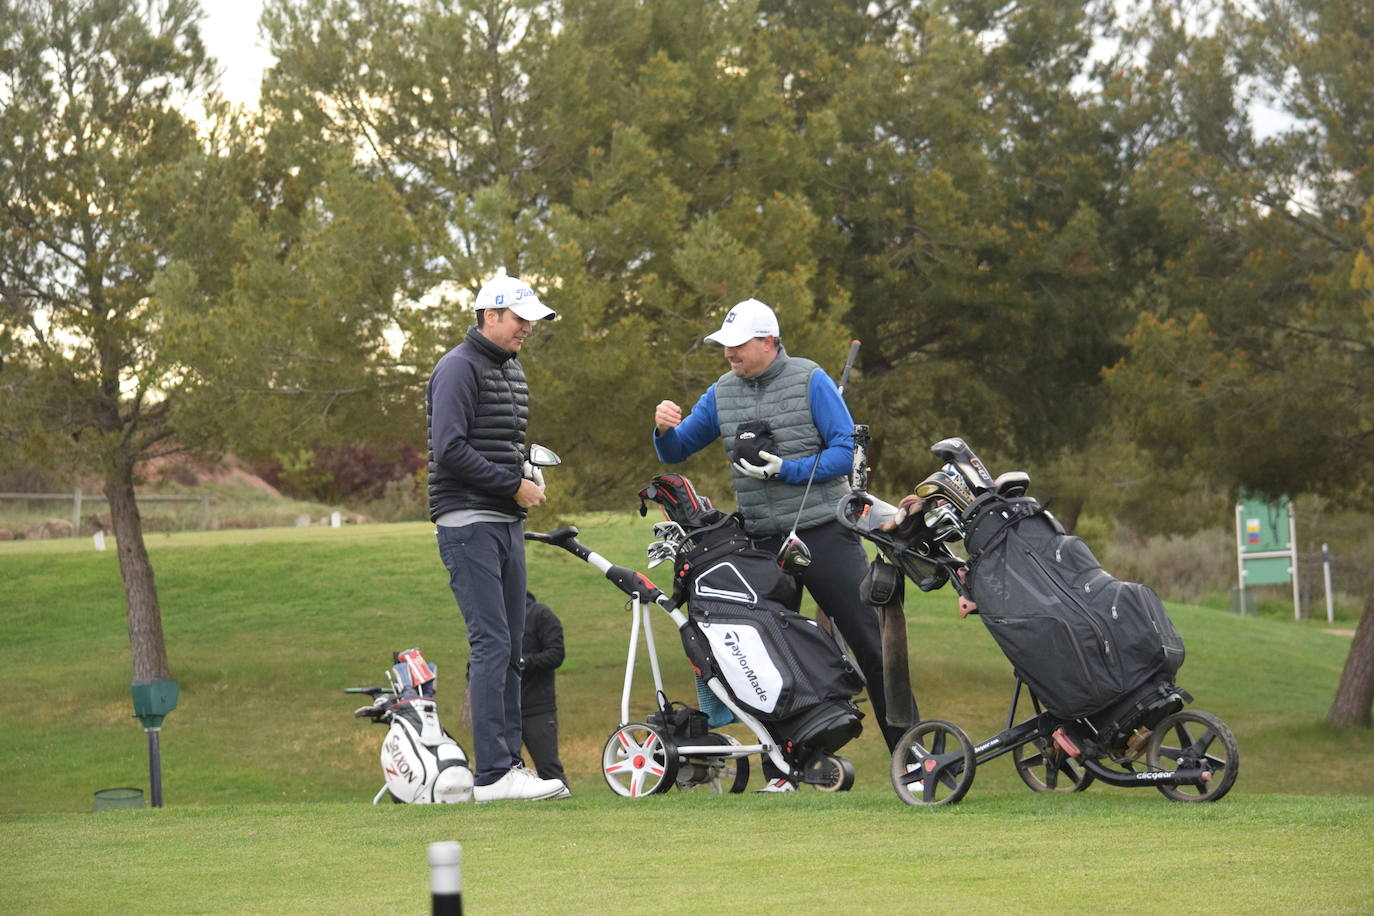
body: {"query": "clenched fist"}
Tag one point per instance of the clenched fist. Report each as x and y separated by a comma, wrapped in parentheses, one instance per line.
(666, 416)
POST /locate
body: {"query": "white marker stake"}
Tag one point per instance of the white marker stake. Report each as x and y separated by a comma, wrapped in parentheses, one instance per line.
(446, 878)
(99, 540)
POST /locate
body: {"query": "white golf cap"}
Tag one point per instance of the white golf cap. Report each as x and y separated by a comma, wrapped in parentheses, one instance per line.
(748, 319)
(505, 292)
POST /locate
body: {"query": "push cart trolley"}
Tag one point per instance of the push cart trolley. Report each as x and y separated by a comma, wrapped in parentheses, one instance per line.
(1146, 738)
(674, 747)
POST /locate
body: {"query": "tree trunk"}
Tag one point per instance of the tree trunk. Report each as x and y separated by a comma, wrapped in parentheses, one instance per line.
(140, 591)
(1067, 511)
(1355, 693)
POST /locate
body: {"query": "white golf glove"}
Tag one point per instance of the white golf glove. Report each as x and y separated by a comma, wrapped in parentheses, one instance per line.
(771, 467)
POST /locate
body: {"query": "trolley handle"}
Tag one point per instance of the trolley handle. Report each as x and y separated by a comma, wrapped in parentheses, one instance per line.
(863, 513)
(565, 537)
(635, 584)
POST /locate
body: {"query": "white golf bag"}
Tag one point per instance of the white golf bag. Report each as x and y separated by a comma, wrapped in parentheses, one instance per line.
(422, 763)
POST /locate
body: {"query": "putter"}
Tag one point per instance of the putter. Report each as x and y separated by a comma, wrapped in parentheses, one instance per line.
(794, 555)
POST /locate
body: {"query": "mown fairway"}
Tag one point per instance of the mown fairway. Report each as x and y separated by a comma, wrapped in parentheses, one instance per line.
(267, 775)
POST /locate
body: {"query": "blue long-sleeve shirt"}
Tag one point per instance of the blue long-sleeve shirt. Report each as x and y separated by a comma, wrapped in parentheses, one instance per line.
(701, 427)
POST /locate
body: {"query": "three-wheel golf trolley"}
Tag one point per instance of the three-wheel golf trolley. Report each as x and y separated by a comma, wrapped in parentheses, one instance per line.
(1142, 737)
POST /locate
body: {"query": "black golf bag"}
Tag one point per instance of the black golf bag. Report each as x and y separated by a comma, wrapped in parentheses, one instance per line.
(778, 665)
(1088, 645)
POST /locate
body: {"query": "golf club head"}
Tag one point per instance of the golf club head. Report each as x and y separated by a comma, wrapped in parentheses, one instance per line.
(1012, 483)
(947, 484)
(537, 457)
(956, 452)
(794, 556)
(542, 457)
(944, 524)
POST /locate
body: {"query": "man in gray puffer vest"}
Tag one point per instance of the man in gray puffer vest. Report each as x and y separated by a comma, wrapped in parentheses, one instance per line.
(805, 415)
(478, 407)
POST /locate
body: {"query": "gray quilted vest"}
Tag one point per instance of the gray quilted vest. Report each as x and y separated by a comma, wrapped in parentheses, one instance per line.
(780, 395)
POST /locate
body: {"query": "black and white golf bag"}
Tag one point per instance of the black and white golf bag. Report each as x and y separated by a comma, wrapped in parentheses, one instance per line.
(421, 762)
(777, 664)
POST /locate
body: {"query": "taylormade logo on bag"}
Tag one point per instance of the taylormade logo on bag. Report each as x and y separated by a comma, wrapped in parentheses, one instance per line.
(748, 667)
(732, 640)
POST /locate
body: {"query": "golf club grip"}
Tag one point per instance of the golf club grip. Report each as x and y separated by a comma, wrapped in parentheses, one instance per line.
(848, 364)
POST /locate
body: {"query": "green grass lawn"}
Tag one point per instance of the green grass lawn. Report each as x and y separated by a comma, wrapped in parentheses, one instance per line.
(267, 775)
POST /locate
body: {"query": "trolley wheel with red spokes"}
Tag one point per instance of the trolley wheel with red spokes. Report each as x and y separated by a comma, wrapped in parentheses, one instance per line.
(639, 760)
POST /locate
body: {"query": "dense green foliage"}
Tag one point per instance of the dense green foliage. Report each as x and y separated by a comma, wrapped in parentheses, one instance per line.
(1055, 225)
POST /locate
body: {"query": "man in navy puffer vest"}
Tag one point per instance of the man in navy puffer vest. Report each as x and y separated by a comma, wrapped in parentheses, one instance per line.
(478, 408)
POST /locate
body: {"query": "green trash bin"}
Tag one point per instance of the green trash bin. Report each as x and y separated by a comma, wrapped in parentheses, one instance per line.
(121, 797)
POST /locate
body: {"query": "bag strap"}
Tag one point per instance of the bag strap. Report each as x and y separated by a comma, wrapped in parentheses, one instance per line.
(1016, 510)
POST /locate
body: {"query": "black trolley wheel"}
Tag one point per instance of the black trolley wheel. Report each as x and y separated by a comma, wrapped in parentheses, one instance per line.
(1044, 767)
(1193, 738)
(729, 774)
(933, 764)
(830, 773)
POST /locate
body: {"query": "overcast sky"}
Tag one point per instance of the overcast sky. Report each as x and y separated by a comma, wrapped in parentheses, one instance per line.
(230, 32)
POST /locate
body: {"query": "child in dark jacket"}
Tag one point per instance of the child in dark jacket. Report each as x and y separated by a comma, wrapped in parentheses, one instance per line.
(543, 652)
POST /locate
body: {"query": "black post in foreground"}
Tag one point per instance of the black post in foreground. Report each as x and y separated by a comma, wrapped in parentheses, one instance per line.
(446, 878)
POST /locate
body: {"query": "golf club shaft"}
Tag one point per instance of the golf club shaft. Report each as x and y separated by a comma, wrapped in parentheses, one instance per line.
(848, 364)
(844, 377)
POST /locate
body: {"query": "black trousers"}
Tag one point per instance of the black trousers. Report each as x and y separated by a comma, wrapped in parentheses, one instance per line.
(540, 733)
(838, 565)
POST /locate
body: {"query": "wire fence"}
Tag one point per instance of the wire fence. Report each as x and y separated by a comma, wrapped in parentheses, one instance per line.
(78, 500)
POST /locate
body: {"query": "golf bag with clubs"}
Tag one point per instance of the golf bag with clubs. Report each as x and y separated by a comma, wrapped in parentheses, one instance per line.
(421, 762)
(1088, 644)
(776, 664)
(1094, 656)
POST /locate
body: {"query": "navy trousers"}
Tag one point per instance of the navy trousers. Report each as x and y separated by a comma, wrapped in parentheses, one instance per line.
(838, 565)
(486, 570)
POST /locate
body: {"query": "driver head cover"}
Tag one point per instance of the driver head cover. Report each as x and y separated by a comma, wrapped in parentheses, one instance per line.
(747, 320)
(506, 292)
(944, 484)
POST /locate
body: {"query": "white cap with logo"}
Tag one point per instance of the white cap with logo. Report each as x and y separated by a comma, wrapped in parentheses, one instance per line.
(748, 319)
(505, 292)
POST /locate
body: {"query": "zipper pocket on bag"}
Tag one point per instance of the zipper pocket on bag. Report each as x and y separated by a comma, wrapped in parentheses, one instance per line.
(1071, 601)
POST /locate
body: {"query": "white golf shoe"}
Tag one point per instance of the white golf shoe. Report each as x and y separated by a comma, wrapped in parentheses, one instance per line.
(518, 783)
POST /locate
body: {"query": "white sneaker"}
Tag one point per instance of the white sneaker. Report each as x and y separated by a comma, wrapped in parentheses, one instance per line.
(779, 785)
(564, 792)
(518, 783)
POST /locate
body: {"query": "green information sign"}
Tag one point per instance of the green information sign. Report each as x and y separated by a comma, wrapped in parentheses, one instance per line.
(1266, 543)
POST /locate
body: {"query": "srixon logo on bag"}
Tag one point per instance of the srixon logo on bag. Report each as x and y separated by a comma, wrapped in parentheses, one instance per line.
(400, 763)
